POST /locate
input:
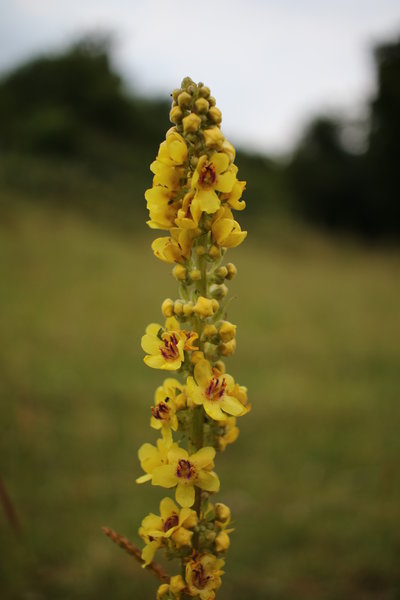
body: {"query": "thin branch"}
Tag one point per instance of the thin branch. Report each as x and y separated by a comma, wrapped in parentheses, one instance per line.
(134, 551)
(9, 508)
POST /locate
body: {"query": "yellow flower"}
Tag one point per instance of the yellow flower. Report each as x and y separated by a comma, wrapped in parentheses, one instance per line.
(214, 393)
(161, 207)
(152, 457)
(226, 232)
(231, 433)
(164, 348)
(168, 167)
(155, 528)
(164, 412)
(203, 575)
(211, 176)
(175, 586)
(188, 216)
(233, 197)
(185, 472)
(189, 337)
(168, 250)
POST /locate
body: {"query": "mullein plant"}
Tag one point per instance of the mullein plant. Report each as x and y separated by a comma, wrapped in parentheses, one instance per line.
(195, 411)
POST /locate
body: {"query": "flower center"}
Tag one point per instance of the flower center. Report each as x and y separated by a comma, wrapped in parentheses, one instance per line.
(199, 578)
(207, 176)
(216, 388)
(169, 351)
(161, 411)
(184, 469)
(172, 521)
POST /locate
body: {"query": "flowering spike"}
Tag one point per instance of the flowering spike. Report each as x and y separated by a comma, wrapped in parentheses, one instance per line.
(195, 189)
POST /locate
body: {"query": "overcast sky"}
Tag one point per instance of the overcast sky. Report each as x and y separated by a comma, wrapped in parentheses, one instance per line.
(270, 64)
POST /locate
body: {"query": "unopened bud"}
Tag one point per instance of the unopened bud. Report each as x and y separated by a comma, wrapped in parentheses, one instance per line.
(220, 367)
(215, 304)
(212, 101)
(219, 291)
(191, 123)
(214, 252)
(232, 270)
(167, 307)
(175, 94)
(227, 331)
(215, 115)
(204, 91)
(200, 250)
(197, 357)
(179, 272)
(178, 308)
(188, 308)
(182, 537)
(195, 275)
(203, 307)
(175, 115)
(201, 105)
(222, 512)
(222, 542)
(184, 100)
(221, 272)
(214, 138)
(209, 331)
(227, 348)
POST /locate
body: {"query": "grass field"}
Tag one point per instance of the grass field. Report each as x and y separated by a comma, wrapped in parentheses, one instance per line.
(313, 480)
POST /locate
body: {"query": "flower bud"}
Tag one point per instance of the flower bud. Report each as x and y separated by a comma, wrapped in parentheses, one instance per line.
(219, 291)
(214, 138)
(184, 100)
(209, 331)
(219, 367)
(204, 91)
(215, 304)
(178, 308)
(188, 308)
(214, 252)
(191, 123)
(227, 331)
(167, 307)
(221, 273)
(215, 115)
(175, 94)
(222, 512)
(179, 272)
(182, 537)
(201, 105)
(176, 584)
(195, 275)
(200, 250)
(163, 591)
(197, 357)
(232, 270)
(222, 542)
(175, 115)
(203, 307)
(227, 348)
(212, 101)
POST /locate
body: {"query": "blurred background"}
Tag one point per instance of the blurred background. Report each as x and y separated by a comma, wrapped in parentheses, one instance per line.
(310, 95)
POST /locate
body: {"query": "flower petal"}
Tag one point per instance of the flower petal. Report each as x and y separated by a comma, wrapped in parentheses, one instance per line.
(185, 494)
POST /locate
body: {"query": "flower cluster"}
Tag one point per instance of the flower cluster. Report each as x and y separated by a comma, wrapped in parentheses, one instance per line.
(194, 193)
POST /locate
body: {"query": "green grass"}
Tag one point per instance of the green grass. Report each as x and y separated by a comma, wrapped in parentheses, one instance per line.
(313, 480)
